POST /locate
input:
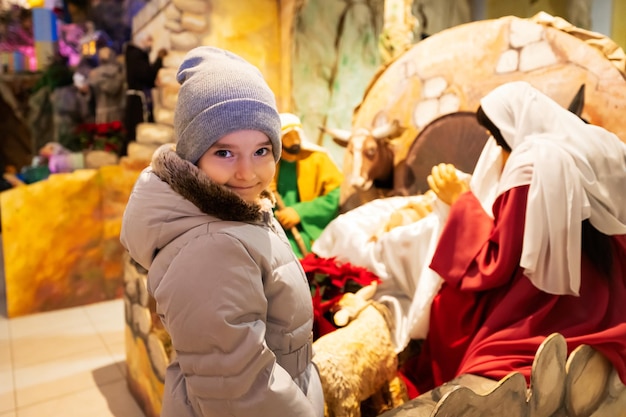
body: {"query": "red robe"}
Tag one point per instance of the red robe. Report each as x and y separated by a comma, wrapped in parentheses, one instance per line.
(489, 320)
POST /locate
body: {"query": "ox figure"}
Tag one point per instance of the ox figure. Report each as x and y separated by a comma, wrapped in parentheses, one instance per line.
(368, 163)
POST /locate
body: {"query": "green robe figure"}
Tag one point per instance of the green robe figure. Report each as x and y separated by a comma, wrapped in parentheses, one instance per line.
(307, 185)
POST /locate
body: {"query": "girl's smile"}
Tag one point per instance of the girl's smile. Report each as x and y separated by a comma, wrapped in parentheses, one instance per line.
(241, 161)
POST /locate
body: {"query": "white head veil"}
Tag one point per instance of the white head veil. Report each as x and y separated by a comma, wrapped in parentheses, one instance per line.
(576, 171)
(486, 175)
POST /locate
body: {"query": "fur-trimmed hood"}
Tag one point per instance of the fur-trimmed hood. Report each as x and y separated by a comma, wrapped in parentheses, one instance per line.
(172, 196)
(189, 181)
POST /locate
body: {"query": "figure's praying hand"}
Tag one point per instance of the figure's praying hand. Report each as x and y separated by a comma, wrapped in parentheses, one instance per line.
(446, 184)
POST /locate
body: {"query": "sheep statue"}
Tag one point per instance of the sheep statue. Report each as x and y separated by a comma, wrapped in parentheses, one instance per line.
(358, 361)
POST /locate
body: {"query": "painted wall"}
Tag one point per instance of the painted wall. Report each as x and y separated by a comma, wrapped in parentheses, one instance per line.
(334, 57)
(602, 16)
(318, 56)
(618, 27)
(526, 8)
(251, 28)
(61, 239)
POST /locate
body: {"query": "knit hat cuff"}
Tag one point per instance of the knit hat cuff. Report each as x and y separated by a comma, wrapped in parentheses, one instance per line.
(217, 121)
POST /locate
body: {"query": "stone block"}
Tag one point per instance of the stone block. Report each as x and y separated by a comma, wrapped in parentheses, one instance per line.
(193, 6)
(152, 133)
(142, 151)
(194, 22)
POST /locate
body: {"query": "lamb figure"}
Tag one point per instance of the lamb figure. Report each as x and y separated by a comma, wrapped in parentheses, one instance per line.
(359, 360)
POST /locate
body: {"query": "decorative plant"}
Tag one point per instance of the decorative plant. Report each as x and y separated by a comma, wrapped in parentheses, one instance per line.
(329, 280)
(101, 136)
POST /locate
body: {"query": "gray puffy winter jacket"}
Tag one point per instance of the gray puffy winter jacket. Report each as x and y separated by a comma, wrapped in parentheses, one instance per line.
(230, 292)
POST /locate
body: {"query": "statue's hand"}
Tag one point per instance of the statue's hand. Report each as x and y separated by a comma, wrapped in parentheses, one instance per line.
(288, 217)
(444, 182)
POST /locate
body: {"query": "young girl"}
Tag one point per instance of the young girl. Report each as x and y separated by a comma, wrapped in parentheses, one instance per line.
(230, 292)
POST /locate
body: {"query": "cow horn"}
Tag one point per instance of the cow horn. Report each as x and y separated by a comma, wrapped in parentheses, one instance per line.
(340, 136)
(386, 130)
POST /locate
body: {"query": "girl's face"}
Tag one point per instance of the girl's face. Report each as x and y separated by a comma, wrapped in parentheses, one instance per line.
(241, 161)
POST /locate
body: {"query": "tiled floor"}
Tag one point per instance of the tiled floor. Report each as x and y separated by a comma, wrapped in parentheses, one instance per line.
(66, 363)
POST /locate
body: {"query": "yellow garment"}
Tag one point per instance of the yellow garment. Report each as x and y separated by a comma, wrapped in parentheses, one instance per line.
(317, 175)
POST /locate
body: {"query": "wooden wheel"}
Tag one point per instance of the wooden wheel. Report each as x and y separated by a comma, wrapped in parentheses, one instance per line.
(454, 138)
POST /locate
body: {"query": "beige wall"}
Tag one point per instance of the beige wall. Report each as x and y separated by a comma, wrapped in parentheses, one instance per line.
(527, 8)
(498, 8)
(618, 26)
(250, 28)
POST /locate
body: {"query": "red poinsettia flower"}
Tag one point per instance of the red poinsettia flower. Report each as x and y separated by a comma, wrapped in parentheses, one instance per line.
(116, 125)
(329, 280)
(101, 136)
(102, 129)
(321, 311)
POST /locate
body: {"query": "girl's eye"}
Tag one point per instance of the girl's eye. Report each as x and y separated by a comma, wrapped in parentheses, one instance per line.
(223, 153)
(262, 151)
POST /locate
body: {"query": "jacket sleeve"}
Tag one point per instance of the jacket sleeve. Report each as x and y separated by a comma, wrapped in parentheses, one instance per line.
(214, 307)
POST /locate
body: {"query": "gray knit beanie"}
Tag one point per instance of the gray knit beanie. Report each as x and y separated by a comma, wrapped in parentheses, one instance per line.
(221, 93)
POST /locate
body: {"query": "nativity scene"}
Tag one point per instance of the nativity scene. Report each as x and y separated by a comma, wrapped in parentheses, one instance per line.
(414, 134)
(461, 227)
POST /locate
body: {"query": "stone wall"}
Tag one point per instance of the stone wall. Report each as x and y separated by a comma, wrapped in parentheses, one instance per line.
(148, 347)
